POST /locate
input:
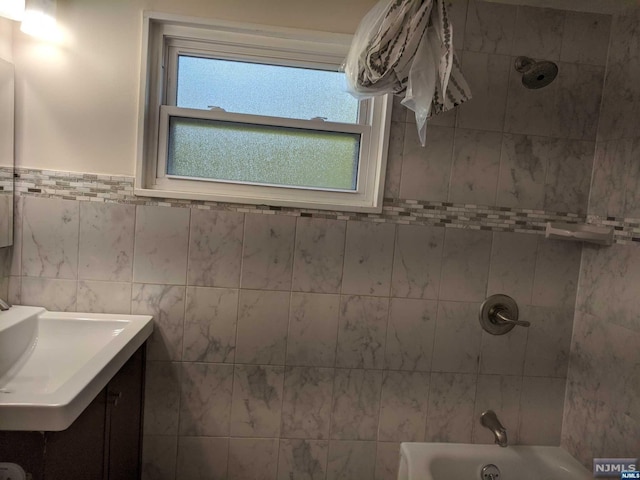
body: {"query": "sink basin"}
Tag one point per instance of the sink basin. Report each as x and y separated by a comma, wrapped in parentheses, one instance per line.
(461, 461)
(53, 364)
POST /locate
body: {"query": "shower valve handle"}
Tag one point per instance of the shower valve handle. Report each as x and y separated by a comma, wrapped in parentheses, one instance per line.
(504, 319)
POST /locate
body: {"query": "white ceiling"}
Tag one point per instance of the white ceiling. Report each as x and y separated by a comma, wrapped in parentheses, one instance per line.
(594, 6)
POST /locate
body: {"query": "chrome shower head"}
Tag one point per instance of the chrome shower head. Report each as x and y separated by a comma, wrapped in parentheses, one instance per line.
(536, 74)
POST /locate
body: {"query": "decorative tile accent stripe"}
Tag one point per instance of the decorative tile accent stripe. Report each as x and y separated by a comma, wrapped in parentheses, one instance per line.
(119, 189)
(626, 231)
(6, 180)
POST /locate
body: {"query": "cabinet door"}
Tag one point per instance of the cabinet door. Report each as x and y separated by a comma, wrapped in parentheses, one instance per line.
(77, 453)
(26, 449)
(103, 443)
(124, 418)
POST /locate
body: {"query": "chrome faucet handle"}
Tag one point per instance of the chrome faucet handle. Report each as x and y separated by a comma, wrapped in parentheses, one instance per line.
(4, 305)
(499, 315)
(504, 319)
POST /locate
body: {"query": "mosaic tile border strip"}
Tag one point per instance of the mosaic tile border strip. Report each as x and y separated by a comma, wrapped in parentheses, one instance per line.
(626, 231)
(119, 189)
(6, 179)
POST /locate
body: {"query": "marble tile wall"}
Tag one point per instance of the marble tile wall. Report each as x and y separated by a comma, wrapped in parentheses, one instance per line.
(314, 346)
(5, 270)
(616, 178)
(601, 414)
(510, 145)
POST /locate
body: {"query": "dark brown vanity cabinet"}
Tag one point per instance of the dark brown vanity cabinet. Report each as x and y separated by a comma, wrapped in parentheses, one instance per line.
(104, 442)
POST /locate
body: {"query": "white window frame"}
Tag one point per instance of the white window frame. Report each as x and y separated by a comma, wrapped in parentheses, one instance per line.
(167, 36)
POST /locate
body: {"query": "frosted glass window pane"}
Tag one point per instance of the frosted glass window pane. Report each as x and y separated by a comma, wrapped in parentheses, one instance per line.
(234, 152)
(268, 90)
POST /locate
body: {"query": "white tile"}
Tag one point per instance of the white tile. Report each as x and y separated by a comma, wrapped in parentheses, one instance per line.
(161, 245)
(267, 258)
(16, 259)
(166, 304)
(253, 459)
(410, 334)
(426, 170)
(451, 402)
(306, 409)
(620, 98)
(356, 404)
(458, 335)
(106, 241)
(161, 398)
(532, 111)
(210, 324)
(51, 293)
(577, 105)
(349, 460)
(302, 459)
(205, 400)
(403, 406)
(313, 330)
(104, 297)
(394, 158)
(585, 38)
(159, 457)
(387, 460)
(215, 248)
(465, 265)
(476, 163)
(368, 258)
(202, 458)
(490, 27)
(417, 261)
(257, 401)
(541, 410)
(14, 290)
(50, 238)
(361, 332)
(504, 354)
(488, 77)
(620, 112)
(263, 318)
(549, 341)
(513, 261)
(6, 218)
(632, 183)
(538, 32)
(523, 171)
(608, 284)
(319, 255)
(556, 277)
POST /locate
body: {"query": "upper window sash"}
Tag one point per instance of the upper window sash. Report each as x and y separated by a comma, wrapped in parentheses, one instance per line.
(175, 47)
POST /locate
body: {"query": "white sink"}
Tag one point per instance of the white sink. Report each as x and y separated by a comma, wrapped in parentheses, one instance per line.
(461, 461)
(53, 364)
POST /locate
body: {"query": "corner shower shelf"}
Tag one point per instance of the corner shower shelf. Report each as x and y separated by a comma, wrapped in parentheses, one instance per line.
(580, 232)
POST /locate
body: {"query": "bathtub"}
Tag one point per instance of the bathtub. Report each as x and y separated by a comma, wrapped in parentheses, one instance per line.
(459, 461)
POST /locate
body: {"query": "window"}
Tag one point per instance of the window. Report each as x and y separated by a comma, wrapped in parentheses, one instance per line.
(248, 114)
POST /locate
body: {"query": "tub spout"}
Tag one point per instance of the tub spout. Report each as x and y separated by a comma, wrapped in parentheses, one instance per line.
(489, 419)
(4, 305)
